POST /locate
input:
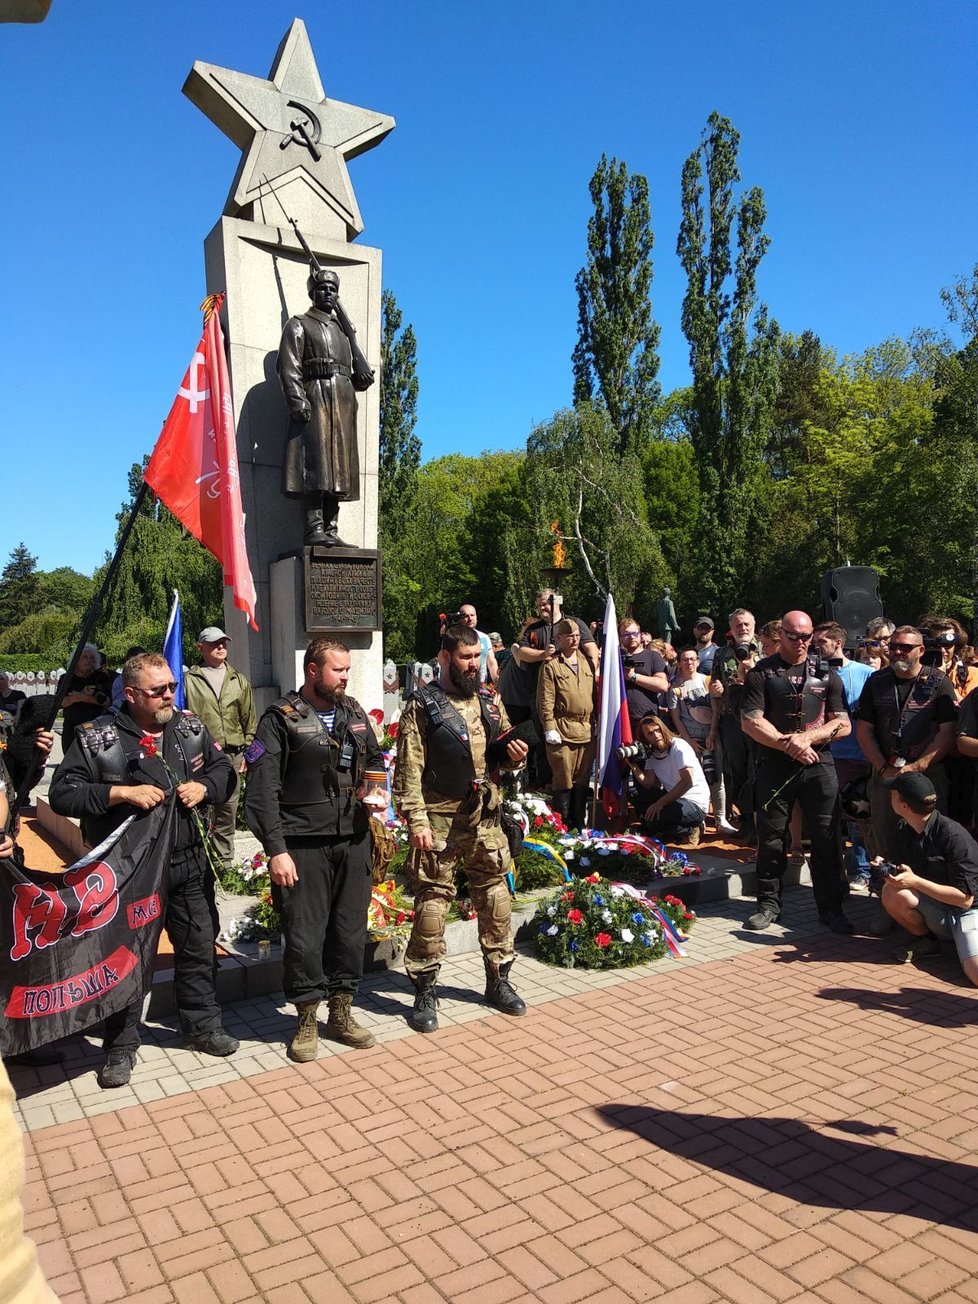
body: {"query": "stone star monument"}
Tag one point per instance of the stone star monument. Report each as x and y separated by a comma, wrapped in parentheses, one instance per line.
(295, 144)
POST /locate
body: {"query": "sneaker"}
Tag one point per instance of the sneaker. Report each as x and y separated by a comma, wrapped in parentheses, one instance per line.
(218, 1042)
(859, 883)
(763, 918)
(724, 826)
(117, 1069)
(836, 922)
(917, 948)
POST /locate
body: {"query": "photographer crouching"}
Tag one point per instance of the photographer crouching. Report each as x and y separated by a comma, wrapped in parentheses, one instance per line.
(676, 810)
(931, 889)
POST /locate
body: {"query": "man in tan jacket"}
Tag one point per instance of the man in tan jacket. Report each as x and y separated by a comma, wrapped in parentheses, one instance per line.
(565, 705)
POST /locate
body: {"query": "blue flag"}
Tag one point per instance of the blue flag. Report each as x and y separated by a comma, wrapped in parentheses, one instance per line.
(173, 651)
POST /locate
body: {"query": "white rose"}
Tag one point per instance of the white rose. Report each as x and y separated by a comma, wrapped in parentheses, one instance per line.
(627, 935)
(553, 930)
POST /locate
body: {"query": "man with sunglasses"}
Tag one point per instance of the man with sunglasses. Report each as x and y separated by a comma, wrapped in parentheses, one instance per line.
(905, 725)
(793, 706)
(131, 761)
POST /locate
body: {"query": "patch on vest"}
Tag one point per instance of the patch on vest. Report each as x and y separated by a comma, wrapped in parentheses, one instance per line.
(256, 750)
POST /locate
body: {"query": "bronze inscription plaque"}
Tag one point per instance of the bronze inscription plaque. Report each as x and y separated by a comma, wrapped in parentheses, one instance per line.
(342, 589)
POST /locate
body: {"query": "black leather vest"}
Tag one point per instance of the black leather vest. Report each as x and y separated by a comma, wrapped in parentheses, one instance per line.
(908, 732)
(791, 710)
(449, 768)
(100, 739)
(323, 767)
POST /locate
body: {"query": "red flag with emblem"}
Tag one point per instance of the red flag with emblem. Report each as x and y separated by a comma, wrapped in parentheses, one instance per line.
(194, 467)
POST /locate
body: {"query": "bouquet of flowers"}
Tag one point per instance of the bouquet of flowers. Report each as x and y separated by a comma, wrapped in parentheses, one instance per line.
(390, 913)
(248, 878)
(593, 924)
(259, 922)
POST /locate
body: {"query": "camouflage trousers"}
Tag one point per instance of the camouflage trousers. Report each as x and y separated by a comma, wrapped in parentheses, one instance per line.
(477, 843)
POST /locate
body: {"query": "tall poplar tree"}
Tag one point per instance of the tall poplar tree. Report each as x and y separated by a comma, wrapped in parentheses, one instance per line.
(400, 448)
(732, 352)
(399, 459)
(616, 358)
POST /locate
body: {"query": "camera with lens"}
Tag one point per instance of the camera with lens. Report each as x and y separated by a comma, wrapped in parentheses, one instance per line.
(632, 752)
(631, 662)
(448, 619)
(935, 646)
(877, 873)
(743, 651)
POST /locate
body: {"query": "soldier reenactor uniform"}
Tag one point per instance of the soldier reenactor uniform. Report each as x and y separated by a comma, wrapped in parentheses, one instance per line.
(302, 797)
(796, 699)
(111, 750)
(443, 781)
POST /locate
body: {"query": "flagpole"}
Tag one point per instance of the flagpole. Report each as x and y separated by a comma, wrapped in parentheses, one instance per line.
(91, 616)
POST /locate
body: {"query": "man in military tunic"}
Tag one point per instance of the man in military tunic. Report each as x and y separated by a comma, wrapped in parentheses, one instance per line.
(449, 743)
(302, 800)
(131, 761)
(320, 382)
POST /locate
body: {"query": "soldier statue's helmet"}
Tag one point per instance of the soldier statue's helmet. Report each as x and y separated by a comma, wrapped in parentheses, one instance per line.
(319, 276)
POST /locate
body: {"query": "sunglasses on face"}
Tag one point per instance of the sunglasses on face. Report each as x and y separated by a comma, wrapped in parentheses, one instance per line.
(797, 638)
(160, 691)
(904, 647)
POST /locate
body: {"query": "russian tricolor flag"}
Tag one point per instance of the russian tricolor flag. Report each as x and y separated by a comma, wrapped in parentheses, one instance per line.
(615, 729)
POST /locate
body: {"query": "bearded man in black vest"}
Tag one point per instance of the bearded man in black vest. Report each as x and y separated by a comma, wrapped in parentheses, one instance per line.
(448, 748)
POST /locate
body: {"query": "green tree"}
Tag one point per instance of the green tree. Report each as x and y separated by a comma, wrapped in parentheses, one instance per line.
(957, 411)
(584, 494)
(616, 358)
(20, 587)
(732, 351)
(160, 556)
(400, 448)
(66, 590)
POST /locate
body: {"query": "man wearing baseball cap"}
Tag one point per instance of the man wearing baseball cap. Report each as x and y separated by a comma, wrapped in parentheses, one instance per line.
(931, 890)
(221, 696)
(706, 649)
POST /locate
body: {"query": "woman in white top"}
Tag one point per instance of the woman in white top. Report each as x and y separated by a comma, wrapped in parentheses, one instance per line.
(692, 719)
(678, 812)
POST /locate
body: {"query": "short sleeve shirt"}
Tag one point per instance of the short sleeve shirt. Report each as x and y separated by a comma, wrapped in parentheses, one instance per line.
(944, 853)
(641, 700)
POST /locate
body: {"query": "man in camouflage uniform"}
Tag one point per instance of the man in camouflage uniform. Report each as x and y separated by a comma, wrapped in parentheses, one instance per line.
(448, 746)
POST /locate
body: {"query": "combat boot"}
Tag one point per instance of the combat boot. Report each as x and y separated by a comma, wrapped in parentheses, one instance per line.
(342, 1026)
(500, 992)
(424, 1016)
(305, 1044)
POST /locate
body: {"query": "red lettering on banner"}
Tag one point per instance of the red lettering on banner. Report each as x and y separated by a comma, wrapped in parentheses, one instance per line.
(55, 998)
(144, 912)
(98, 902)
(35, 908)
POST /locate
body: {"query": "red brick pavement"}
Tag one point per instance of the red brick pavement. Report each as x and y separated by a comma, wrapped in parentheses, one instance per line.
(797, 1123)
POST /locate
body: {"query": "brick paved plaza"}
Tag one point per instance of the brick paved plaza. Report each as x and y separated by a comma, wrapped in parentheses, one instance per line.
(785, 1116)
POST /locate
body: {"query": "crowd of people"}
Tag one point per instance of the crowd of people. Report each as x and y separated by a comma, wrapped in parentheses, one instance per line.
(776, 735)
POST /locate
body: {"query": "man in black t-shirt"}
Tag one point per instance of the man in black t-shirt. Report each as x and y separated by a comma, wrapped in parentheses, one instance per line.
(793, 706)
(932, 892)
(646, 677)
(905, 724)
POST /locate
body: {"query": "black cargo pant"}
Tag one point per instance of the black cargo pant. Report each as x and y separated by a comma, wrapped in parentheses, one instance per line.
(780, 783)
(324, 917)
(192, 924)
(739, 761)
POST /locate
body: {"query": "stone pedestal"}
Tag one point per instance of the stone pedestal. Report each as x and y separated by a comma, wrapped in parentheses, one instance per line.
(288, 641)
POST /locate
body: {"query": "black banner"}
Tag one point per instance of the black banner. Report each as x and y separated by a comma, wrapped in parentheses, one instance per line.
(79, 945)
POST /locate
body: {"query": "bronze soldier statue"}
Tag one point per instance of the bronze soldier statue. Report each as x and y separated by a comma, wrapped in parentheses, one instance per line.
(321, 369)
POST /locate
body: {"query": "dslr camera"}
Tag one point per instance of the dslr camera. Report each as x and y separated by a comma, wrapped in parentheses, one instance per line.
(935, 645)
(743, 651)
(632, 752)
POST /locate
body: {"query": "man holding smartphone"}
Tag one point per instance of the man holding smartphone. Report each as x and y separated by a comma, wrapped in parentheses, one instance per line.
(931, 889)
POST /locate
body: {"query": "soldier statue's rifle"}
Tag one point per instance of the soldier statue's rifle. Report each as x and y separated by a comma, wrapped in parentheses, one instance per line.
(363, 373)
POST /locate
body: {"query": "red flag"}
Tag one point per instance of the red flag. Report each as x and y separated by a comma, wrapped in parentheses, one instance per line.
(194, 467)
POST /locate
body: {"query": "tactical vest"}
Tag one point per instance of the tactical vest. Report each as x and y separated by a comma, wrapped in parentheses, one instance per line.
(99, 739)
(793, 710)
(323, 767)
(909, 732)
(449, 768)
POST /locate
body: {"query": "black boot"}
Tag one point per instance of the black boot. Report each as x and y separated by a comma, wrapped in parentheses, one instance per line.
(331, 514)
(560, 803)
(424, 1016)
(312, 516)
(578, 808)
(500, 992)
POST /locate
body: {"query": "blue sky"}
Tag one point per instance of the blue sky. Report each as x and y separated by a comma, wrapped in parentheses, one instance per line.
(858, 120)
